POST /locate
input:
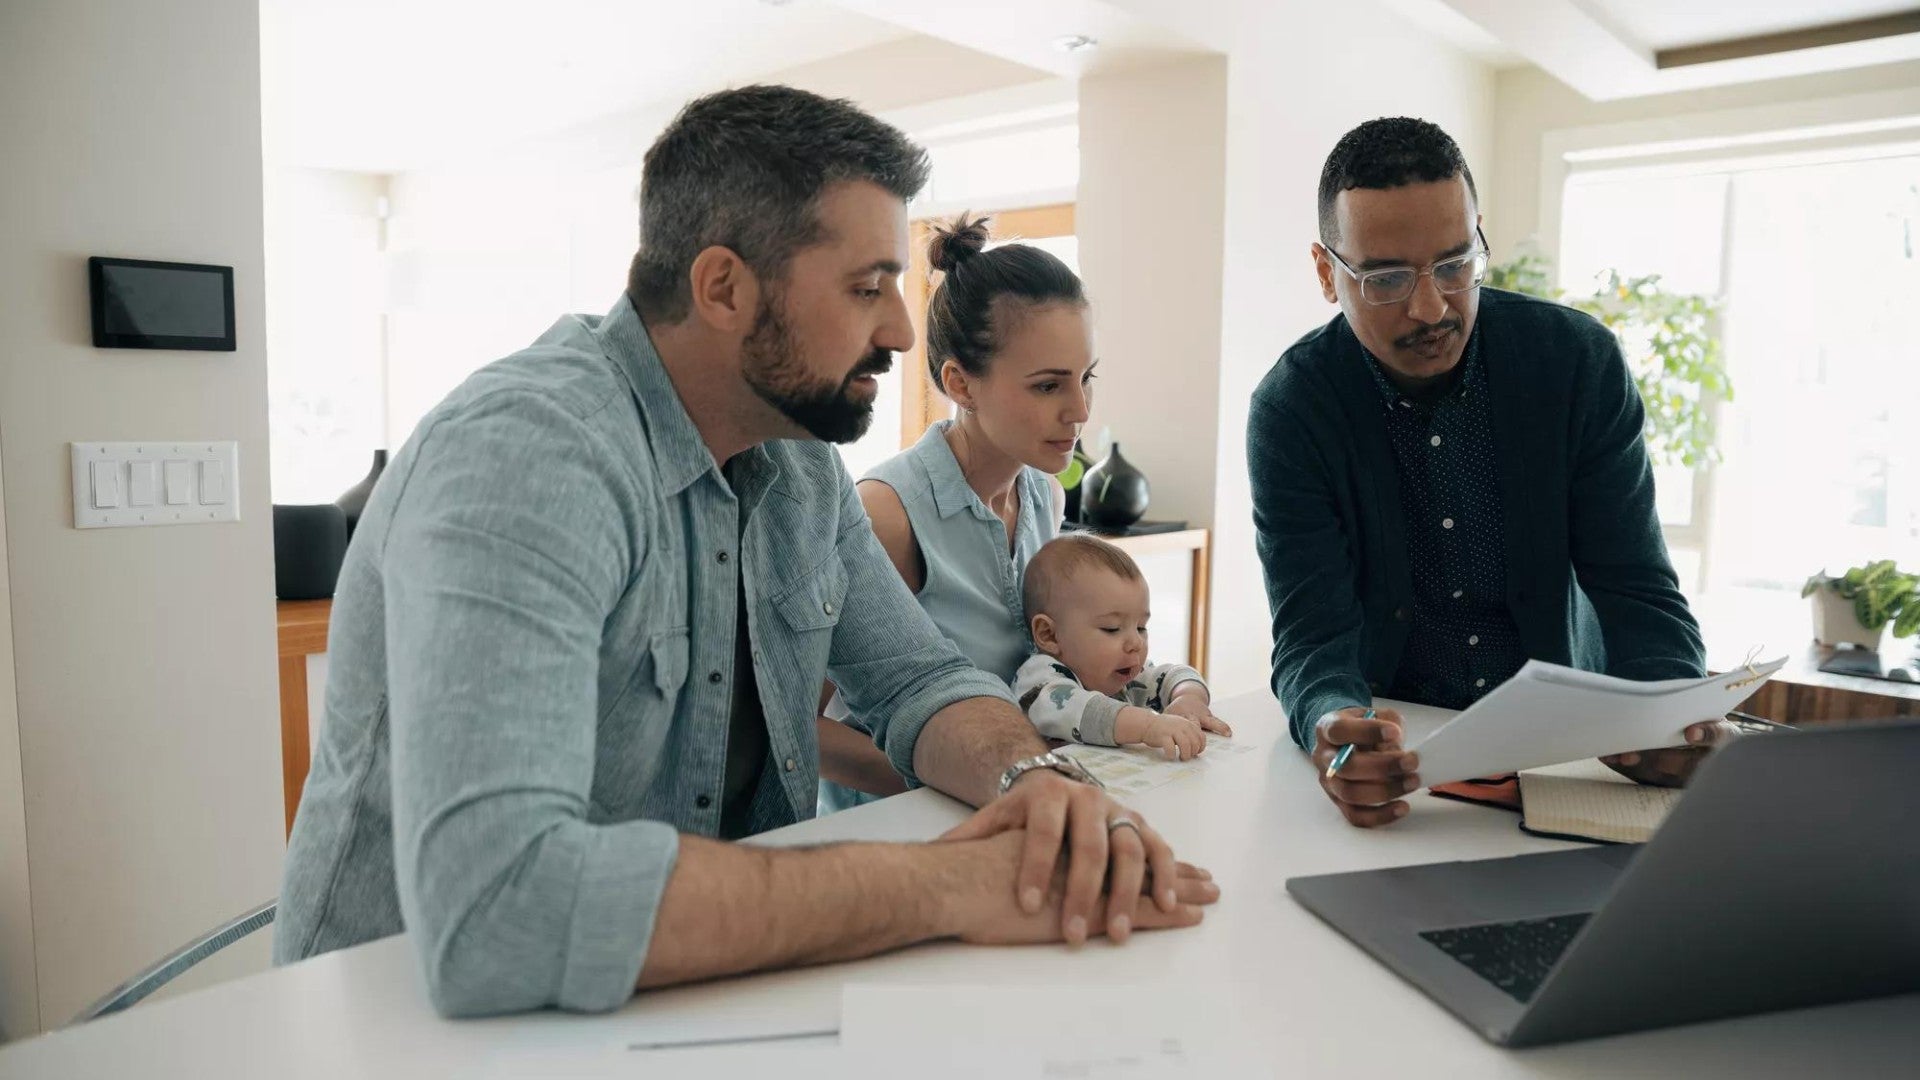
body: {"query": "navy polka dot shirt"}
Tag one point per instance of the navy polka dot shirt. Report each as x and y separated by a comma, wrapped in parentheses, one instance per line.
(1462, 640)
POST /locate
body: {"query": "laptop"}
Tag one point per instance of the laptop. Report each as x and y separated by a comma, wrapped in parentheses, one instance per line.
(1788, 876)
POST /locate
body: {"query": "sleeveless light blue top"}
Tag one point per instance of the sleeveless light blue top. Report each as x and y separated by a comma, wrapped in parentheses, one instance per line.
(973, 576)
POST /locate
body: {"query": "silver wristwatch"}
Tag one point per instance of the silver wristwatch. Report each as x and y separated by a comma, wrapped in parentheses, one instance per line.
(1059, 763)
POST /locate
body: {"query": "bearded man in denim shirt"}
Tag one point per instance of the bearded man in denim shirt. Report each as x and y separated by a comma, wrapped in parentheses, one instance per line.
(582, 627)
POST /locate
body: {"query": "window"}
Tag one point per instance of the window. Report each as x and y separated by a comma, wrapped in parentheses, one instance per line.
(1814, 259)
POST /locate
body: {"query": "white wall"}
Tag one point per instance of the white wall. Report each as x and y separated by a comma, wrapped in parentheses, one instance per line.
(144, 657)
(1529, 104)
(1150, 219)
(19, 988)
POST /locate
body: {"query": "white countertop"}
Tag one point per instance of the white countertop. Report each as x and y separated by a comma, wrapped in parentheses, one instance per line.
(1254, 820)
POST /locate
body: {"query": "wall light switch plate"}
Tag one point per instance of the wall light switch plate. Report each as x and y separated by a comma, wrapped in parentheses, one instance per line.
(114, 483)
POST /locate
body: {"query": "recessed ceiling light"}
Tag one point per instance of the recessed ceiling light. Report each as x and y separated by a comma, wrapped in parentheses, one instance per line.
(1073, 43)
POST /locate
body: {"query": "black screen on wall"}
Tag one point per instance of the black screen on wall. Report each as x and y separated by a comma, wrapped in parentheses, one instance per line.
(140, 304)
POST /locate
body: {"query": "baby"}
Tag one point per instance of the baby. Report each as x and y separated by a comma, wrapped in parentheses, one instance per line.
(1086, 605)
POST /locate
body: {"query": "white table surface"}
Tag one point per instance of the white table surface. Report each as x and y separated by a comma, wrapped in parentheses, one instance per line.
(1310, 1003)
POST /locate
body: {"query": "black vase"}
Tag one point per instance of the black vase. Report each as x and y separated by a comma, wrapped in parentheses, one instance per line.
(1113, 493)
(308, 544)
(352, 501)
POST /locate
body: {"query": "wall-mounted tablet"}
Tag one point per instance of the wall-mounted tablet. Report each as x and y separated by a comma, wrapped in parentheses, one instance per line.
(140, 304)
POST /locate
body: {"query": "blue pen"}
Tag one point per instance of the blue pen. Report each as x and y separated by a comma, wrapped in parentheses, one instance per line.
(1346, 752)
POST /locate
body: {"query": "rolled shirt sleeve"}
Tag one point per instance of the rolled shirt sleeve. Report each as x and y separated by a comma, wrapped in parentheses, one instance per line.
(503, 563)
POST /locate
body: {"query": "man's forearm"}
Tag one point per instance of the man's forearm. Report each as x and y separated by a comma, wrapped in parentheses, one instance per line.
(735, 908)
(967, 745)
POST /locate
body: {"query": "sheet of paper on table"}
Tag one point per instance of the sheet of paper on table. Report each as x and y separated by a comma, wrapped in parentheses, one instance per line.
(1130, 770)
(1098, 1032)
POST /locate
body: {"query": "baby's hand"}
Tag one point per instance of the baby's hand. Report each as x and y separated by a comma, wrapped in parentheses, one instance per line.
(1175, 736)
(1200, 711)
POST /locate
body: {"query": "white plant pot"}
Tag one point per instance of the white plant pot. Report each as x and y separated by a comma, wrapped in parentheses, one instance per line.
(1834, 622)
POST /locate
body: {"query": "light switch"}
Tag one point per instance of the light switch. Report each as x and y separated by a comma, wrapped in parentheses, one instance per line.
(213, 483)
(154, 482)
(106, 485)
(142, 483)
(179, 482)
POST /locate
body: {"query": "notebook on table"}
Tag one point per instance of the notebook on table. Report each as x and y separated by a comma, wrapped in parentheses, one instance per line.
(1585, 800)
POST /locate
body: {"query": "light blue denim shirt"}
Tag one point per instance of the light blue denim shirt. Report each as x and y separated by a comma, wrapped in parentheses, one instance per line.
(532, 658)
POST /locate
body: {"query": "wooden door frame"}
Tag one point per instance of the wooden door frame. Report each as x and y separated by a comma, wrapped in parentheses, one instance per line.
(921, 403)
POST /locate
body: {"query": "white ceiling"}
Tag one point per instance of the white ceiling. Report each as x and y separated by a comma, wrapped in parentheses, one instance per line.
(1606, 49)
(1672, 24)
(391, 85)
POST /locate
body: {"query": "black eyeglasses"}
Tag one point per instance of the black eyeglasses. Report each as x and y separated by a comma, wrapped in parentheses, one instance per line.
(1393, 284)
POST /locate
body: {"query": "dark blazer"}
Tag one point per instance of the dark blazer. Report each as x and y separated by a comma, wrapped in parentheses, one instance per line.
(1588, 579)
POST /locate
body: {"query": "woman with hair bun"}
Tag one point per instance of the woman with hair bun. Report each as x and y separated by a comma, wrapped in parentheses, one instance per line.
(1010, 341)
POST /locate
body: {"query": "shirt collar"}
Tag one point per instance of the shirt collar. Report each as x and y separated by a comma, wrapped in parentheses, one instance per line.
(951, 492)
(680, 455)
(1469, 377)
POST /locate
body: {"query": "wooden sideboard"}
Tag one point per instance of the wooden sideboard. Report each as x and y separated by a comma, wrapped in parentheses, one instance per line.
(303, 633)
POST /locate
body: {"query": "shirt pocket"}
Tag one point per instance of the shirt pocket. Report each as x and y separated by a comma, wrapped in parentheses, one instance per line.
(814, 602)
(668, 653)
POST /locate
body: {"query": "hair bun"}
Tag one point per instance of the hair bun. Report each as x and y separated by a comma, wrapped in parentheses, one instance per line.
(957, 241)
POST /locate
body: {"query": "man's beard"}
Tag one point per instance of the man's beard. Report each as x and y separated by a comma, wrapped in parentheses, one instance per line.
(772, 366)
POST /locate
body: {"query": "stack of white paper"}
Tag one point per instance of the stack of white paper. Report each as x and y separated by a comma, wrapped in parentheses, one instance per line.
(1548, 714)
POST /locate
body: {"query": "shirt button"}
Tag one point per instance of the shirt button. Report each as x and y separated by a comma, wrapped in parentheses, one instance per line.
(1435, 440)
(1446, 523)
(789, 764)
(1458, 593)
(713, 677)
(703, 802)
(1479, 683)
(721, 557)
(1474, 640)
(1401, 615)
(827, 607)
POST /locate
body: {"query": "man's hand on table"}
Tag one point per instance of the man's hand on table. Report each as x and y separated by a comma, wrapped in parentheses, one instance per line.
(1046, 820)
(1370, 783)
(1673, 766)
(981, 907)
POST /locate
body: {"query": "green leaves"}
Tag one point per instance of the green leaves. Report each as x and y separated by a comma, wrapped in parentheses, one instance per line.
(1881, 593)
(1671, 345)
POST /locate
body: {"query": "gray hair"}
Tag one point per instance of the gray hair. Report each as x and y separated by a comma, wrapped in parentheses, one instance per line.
(744, 169)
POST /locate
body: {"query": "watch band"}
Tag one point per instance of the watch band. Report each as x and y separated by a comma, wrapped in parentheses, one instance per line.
(1058, 762)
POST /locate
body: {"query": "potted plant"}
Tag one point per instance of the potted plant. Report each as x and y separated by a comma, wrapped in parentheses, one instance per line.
(1857, 606)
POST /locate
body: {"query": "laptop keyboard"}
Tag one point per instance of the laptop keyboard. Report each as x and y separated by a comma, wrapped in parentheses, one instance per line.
(1514, 956)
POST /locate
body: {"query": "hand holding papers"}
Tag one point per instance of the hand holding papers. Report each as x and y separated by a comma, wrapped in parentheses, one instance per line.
(1548, 714)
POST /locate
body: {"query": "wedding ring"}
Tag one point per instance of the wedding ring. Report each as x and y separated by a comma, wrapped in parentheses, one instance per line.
(1123, 822)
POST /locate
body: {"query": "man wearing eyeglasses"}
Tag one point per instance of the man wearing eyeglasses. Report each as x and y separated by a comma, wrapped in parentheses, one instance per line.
(1447, 480)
